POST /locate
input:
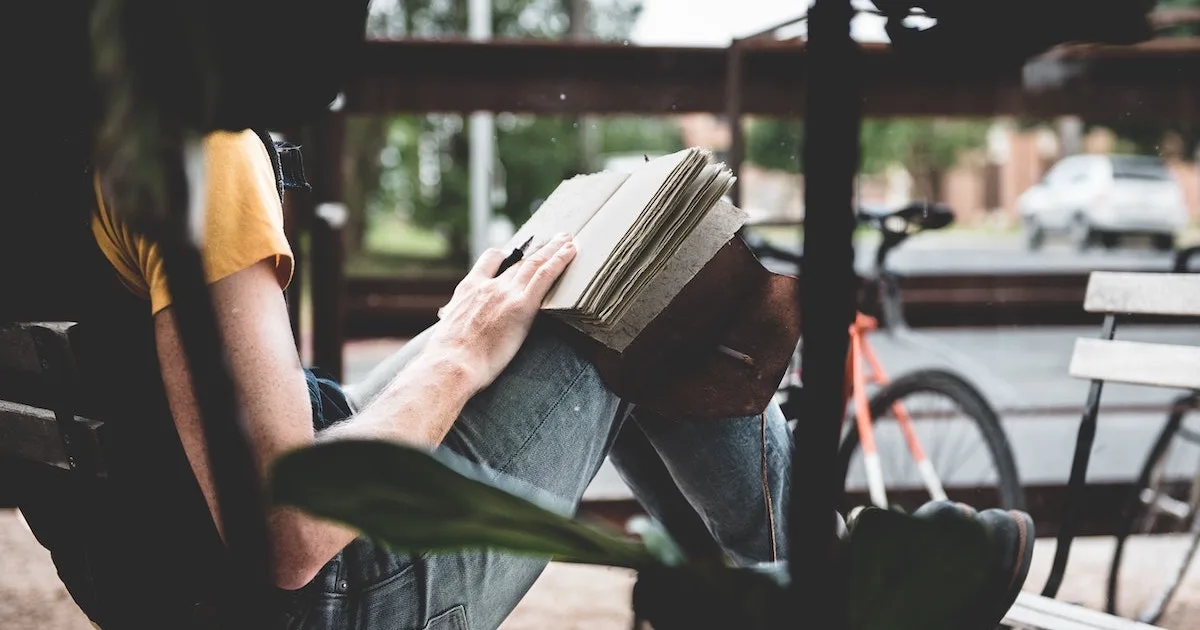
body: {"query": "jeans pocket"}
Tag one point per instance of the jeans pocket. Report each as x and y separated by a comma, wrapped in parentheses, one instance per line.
(453, 619)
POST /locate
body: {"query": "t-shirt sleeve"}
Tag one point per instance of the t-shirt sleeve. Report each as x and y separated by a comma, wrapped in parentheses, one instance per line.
(243, 222)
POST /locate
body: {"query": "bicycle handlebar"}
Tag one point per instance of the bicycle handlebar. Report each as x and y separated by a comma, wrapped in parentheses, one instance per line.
(895, 227)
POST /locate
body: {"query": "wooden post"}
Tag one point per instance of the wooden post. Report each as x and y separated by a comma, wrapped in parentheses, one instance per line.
(328, 288)
(831, 155)
(733, 116)
(297, 223)
(326, 142)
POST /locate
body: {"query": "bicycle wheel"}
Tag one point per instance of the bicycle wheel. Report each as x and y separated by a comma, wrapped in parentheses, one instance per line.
(1165, 502)
(981, 472)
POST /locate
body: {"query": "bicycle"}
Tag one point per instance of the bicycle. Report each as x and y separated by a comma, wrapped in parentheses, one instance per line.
(1166, 498)
(923, 475)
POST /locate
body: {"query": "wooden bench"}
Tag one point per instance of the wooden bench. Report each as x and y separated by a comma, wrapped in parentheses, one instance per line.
(1113, 294)
(37, 389)
(1035, 612)
(40, 433)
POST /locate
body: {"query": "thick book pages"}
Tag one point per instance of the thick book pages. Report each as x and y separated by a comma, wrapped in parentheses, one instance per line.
(640, 237)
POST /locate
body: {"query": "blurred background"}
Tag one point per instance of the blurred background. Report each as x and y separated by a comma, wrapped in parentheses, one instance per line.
(406, 177)
(1038, 204)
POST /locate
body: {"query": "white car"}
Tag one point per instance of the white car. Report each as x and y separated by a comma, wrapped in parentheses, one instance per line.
(1102, 198)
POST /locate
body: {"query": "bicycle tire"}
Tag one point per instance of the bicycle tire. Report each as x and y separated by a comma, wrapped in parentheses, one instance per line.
(1134, 508)
(971, 402)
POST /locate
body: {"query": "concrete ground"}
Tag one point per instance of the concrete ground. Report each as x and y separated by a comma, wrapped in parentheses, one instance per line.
(582, 597)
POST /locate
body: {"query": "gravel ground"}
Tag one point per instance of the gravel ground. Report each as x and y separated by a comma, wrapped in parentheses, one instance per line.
(576, 597)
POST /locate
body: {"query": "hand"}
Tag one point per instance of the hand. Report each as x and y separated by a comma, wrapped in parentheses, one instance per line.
(488, 318)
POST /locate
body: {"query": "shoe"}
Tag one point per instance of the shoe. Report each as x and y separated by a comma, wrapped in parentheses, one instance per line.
(1011, 534)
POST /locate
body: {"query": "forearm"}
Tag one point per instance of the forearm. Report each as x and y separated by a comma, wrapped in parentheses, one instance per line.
(417, 408)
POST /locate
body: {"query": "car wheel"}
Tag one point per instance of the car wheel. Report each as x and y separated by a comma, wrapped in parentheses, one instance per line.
(1110, 240)
(1164, 242)
(1035, 234)
(1080, 233)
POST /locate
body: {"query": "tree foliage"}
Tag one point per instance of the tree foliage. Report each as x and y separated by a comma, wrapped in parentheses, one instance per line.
(423, 163)
(925, 147)
(774, 143)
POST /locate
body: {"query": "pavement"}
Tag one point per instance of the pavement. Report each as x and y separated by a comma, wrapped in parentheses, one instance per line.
(983, 251)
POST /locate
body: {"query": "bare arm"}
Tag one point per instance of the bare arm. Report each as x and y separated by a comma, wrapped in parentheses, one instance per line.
(482, 328)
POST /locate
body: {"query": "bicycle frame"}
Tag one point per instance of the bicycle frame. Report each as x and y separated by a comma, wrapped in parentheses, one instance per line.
(867, 369)
(891, 306)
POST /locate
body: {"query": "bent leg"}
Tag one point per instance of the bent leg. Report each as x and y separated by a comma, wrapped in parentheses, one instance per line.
(732, 475)
(547, 422)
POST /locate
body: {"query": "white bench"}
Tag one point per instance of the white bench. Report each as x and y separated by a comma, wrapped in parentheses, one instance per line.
(1034, 612)
(1103, 360)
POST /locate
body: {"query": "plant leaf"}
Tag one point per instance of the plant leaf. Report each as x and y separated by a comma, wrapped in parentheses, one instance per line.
(909, 573)
(657, 540)
(415, 501)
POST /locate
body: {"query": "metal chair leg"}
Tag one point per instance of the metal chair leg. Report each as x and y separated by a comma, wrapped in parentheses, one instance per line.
(1083, 453)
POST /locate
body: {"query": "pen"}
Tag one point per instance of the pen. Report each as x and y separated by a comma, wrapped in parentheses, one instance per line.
(515, 256)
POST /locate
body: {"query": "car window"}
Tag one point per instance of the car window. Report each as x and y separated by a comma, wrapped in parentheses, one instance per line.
(1139, 167)
(1058, 173)
(1067, 171)
(1079, 171)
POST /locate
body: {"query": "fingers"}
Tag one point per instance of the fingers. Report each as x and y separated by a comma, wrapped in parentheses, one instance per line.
(532, 262)
(488, 263)
(547, 273)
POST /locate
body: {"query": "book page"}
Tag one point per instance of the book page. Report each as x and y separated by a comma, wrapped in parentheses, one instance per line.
(708, 188)
(640, 242)
(714, 230)
(597, 239)
(568, 209)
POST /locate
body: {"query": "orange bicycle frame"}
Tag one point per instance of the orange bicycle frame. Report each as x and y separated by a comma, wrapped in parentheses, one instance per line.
(872, 372)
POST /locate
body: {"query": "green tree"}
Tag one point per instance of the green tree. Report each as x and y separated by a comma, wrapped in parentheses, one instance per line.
(925, 147)
(533, 153)
(774, 143)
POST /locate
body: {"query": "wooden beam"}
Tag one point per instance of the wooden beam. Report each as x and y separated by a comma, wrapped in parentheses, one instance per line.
(1156, 81)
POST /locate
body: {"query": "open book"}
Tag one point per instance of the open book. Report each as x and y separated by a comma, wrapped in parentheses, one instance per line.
(640, 237)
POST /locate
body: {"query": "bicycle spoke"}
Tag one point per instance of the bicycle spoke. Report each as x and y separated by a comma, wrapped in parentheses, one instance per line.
(936, 439)
(1165, 523)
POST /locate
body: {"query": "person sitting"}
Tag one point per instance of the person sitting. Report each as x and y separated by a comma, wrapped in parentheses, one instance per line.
(489, 382)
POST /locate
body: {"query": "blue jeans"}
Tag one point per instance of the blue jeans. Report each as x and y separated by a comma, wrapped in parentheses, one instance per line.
(546, 425)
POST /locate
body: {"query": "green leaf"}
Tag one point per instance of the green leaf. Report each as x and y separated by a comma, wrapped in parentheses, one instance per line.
(909, 573)
(657, 540)
(416, 502)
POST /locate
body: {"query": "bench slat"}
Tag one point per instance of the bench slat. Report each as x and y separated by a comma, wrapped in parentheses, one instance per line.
(1034, 612)
(1143, 293)
(17, 352)
(1137, 363)
(31, 433)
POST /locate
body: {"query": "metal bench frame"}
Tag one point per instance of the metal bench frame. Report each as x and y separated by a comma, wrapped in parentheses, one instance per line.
(1114, 294)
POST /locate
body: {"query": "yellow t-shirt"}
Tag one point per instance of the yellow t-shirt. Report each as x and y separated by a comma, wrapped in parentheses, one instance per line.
(243, 222)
